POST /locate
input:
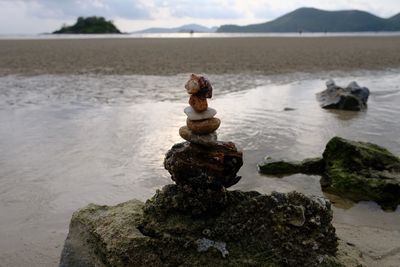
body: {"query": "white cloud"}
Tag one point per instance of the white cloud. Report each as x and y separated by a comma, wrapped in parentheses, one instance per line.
(35, 16)
(15, 19)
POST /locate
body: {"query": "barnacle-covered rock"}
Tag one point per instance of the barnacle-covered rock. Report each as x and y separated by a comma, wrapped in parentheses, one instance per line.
(187, 200)
(254, 230)
(283, 229)
(213, 166)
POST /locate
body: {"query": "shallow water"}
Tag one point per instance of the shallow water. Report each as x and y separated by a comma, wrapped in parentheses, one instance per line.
(67, 141)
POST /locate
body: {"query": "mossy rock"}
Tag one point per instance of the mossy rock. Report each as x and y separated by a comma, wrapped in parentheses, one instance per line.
(356, 170)
(307, 166)
(362, 171)
(254, 230)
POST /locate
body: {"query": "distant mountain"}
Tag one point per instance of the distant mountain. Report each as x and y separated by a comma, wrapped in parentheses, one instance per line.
(315, 20)
(184, 28)
(86, 25)
(395, 17)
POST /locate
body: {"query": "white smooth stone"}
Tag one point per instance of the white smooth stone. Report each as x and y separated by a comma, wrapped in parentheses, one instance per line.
(196, 116)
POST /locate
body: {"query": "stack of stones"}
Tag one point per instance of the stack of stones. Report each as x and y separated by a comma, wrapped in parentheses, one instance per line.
(203, 167)
(200, 124)
(198, 222)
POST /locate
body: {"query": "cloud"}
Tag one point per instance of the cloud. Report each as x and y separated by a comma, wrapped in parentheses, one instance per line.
(34, 16)
(211, 9)
(47, 9)
(14, 19)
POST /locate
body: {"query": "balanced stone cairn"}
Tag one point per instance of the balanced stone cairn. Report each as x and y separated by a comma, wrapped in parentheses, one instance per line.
(200, 125)
(203, 167)
(198, 222)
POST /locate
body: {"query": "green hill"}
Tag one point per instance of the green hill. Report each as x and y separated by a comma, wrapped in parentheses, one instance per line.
(90, 25)
(394, 21)
(395, 18)
(315, 20)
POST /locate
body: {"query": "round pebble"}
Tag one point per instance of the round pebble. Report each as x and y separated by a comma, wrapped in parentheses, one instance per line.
(203, 126)
(201, 139)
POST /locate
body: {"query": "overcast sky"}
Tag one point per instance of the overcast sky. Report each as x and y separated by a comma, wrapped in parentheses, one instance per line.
(38, 16)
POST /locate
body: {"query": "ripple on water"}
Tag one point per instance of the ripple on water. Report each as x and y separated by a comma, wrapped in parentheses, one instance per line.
(66, 141)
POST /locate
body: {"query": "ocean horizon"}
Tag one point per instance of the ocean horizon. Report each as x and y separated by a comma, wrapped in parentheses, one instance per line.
(196, 35)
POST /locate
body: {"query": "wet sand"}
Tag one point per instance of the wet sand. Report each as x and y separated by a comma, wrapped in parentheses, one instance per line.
(263, 55)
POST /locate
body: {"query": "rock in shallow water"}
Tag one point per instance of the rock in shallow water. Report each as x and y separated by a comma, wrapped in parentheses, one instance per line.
(196, 116)
(357, 170)
(352, 97)
(203, 126)
(255, 229)
(307, 166)
(362, 171)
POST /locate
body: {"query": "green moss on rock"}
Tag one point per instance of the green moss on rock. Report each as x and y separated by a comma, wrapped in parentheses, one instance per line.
(106, 236)
(362, 171)
(307, 166)
(357, 170)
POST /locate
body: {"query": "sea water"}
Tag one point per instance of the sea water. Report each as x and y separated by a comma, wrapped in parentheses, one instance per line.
(66, 141)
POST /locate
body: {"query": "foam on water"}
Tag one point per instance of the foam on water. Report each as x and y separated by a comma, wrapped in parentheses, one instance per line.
(66, 141)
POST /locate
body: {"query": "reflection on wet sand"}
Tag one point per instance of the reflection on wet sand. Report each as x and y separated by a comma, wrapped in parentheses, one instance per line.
(346, 115)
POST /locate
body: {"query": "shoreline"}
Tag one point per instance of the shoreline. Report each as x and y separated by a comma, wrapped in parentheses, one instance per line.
(171, 56)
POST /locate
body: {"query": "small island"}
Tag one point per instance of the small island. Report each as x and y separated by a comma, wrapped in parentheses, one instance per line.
(88, 25)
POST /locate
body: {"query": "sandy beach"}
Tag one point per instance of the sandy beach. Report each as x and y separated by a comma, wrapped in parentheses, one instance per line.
(202, 55)
(73, 138)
